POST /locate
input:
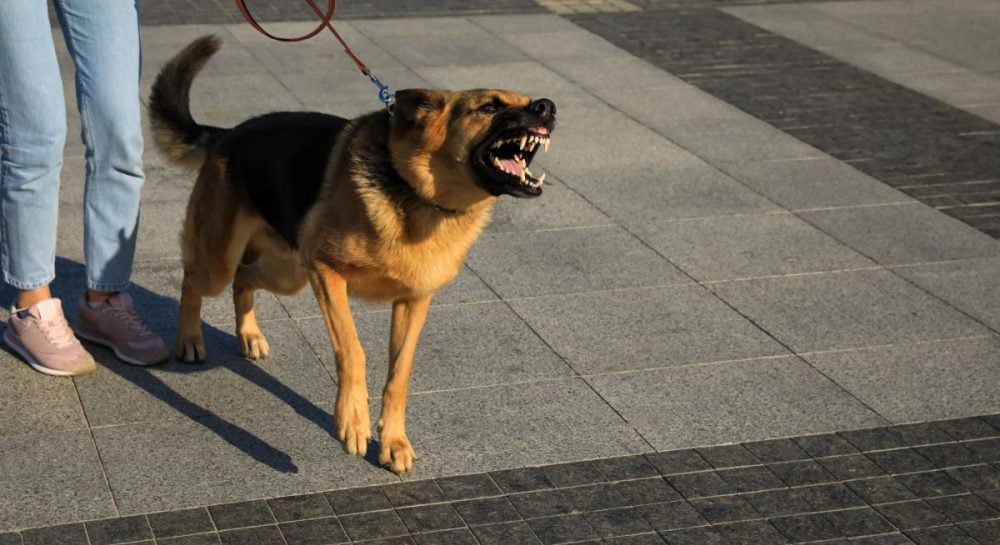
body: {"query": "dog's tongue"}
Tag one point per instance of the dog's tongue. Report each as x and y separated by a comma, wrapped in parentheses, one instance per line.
(512, 166)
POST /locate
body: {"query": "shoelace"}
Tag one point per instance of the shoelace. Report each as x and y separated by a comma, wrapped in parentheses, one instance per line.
(132, 321)
(57, 331)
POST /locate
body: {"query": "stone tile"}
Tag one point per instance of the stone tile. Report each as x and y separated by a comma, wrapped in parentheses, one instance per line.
(545, 503)
(225, 385)
(748, 246)
(462, 487)
(487, 511)
(63, 481)
(564, 529)
(903, 233)
(503, 533)
(558, 207)
(955, 86)
(488, 429)
(32, 403)
(459, 49)
(460, 346)
(567, 261)
(306, 506)
(635, 329)
(181, 522)
(787, 397)
(277, 450)
(919, 381)
(430, 518)
(844, 310)
(358, 500)
(558, 45)
(737, 140)
(527, 77)
(241, 514)
(967, 285)
(118, 530)
(809, 26)
(319, 531)
(259, 535)
(813, 183)
(66, 534)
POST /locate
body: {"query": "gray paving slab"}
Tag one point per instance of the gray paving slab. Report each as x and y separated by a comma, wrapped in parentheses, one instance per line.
(732, 402)
(227, 384)
(813, 183)
(732, 247)
(653, 198)
(485, 429)
(903, 233)
(32, 403)
(920, 381)
(50, 479)
(528, 77)
(969, 285)
(802, 23)
(274, 450)
(568, 260)
(558, 207)
(456, 49)
(607, 75)
(963, 88)
(845, 310)
(558, 45)
(464, 346)
(734, 140)
(637, 329)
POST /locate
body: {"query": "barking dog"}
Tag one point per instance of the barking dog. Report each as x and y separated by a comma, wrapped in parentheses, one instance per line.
(384, 207)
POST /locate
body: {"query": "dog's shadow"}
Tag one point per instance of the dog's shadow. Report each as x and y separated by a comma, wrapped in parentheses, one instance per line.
(71, 283)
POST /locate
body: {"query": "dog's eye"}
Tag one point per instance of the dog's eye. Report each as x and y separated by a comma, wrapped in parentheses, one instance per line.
(488, 108)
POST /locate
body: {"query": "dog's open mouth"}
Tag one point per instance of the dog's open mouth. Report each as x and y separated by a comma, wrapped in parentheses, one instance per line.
(507, 158)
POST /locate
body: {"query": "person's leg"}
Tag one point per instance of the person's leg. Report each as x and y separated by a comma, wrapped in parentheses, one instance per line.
(103, 40)
(32, 134)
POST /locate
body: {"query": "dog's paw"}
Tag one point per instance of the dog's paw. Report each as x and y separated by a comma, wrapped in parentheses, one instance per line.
(354, 425)
(253, 346)
(190, 349)
(396, 453)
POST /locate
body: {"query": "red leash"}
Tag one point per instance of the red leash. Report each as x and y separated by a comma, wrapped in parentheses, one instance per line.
(384, 93)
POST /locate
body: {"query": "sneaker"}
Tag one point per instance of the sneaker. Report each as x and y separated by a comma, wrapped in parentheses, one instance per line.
(115, 323)
(42, 337)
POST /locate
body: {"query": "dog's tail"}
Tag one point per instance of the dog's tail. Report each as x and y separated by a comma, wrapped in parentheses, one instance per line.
(177, 134)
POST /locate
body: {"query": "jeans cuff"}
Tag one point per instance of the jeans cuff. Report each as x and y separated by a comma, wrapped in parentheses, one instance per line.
(97, 286)
(27, 285)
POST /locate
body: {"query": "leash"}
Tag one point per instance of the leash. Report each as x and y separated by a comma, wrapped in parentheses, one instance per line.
(385, 94)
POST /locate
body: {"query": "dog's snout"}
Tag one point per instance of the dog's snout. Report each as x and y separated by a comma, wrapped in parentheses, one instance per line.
(543, 107)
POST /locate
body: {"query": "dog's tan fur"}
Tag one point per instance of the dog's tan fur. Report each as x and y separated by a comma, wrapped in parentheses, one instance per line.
(354, 240)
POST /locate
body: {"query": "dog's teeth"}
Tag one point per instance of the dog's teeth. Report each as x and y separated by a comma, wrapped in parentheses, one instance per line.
(545, 144)
(523, 141)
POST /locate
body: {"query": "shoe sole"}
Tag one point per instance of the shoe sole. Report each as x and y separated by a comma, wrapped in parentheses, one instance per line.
(24, 353)
(94, 338)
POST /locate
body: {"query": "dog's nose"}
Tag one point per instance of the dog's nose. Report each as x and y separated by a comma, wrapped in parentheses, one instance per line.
(543, 107)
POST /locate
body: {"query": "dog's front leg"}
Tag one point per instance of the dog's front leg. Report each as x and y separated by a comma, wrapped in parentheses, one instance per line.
(407, 320)
(353, 423)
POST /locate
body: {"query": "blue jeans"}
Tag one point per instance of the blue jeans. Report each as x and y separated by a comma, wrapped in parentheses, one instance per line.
(103, 41)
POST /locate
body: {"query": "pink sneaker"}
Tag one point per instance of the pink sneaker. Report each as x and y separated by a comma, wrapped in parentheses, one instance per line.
(42, 337)
(115, 323)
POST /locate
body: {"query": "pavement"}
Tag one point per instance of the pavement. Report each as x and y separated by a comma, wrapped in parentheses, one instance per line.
(756, 304)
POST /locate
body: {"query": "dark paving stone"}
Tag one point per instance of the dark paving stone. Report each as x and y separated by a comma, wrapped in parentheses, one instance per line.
(694, 536)
(319, 531)
(864, 521)
(751, 532)
(179, 523)
(448, 537)
(750, 479)
(825, 445)
(827, 497)
(987, 450)
(926, 433)
(487, 511)
(118, 530)
(197, 539)
(617, 522)
(931, 484)
(642, 491)
(966, 508)
(873, 439)
(981, 477)
(899, 461)
(374, 525)
(802, 473)
(562, 529)
(678, 461)
(300, 507)
(638, 539)
(521, 480)
(801, 528)
(594, 497)
(728, 456)
(626, 467)
(777, 503)
(547, 503)
(968, 428)
(776, 450)
(911, 514)
(725, 509)
(891, 539)
(467, 487)
(505, 533)
(65, 534)
(240, 515)
(991, 497)
(575, 474)
(259, 535)
(413, 493)
(698, 485)
(986, 532)
(358, 500)
(10, 538)
(881, 490)
(671, 515)
(401, 540)
(852, 466)
(949, 455)
(430, 518)
(945, 535)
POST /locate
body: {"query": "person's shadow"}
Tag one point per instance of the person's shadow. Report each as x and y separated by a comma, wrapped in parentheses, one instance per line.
(161, 309)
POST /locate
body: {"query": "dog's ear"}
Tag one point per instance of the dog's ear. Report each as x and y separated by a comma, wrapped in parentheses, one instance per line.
(414, 105)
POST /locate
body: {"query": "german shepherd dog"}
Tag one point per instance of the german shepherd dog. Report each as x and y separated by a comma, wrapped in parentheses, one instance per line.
(383, 207)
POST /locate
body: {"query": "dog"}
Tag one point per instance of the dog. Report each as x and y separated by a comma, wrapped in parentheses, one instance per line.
(383, 207)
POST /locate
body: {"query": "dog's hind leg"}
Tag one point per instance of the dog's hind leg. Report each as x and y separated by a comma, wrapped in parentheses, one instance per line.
(268, 271)
(408, 318)
(353, 422)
